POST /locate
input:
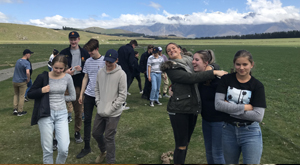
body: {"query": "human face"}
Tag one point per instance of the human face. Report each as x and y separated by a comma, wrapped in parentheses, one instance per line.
(94, 53)
(198, 64)
(58, 68)
(74, 42)
(137, 55)
(243, 66)
(111, 65)
(173, 51)
(150, 50)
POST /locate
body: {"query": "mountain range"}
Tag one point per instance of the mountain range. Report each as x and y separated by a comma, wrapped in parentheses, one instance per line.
(196, 31)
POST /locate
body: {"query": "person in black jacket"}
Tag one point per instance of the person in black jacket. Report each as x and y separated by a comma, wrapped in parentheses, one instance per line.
(126, 59)
(76, 57)
(143, 69)
(136, 71)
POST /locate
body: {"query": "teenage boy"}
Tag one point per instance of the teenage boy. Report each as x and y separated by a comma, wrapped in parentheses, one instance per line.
(111, 93)
(143, 68)
(164, 76)
(20, 79)
(90, 70)
(76, 59)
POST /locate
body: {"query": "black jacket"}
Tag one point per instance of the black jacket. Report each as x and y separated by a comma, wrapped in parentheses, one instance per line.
(41, 100)
(136, 70)
(77, 79)
(184, 99)
(126, 58)
(143, 61)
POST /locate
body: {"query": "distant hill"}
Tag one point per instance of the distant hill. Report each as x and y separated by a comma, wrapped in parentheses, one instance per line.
(18, 32)
(193, 31)
(106, 31)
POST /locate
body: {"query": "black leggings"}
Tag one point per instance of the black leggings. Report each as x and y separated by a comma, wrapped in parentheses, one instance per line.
(183, 127)
(138, 78)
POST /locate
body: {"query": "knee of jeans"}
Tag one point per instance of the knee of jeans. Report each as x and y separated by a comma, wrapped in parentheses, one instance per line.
(63, 151)
(182, 147)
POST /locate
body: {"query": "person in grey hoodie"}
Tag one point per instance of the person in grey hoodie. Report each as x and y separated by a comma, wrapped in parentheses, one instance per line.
(110, 94)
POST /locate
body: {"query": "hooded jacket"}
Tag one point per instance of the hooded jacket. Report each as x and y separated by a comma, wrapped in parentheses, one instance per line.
(185, 98)
(110, 92)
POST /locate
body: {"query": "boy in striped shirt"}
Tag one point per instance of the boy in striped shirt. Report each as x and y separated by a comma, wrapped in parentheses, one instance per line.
(91, 67)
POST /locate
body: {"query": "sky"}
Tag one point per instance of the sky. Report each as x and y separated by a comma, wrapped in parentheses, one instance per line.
(115, 13)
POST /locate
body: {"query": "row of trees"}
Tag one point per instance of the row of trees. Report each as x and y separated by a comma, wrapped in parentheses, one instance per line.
(289, 34)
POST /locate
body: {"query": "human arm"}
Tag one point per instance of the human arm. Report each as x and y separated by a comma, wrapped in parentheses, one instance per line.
(83, 86)
(184, 77)
(97, 92)
(71, 89)
(224, 106)
(28, 75)
(257, 114)
(37, 90)
(149, 73)
(122, 95)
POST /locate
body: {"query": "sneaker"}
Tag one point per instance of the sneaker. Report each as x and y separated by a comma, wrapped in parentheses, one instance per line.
(125, 108)
(54, 144)
(15, 112)
(141, 92)
(157, 102)
(100, 158)
(128, 93)
(159, 96)
(166, 95)
(26, 99)
(69, 119)
(78, 138)
(83, 153)
(151, 104)
(22, 113)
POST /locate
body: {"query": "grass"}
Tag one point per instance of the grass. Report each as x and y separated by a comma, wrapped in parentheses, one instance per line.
(144, 133)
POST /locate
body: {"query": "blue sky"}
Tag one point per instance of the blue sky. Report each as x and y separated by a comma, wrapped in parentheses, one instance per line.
(114, 13)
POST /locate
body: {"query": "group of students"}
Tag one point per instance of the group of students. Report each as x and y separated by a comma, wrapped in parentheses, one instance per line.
(231, 105)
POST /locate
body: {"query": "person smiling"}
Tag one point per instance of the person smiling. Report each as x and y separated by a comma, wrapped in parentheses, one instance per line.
(184, 105)
(242, 97)
(50, 111)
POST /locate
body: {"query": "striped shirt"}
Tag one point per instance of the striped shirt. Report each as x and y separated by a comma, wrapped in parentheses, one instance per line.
(91, 67)
(155, 63)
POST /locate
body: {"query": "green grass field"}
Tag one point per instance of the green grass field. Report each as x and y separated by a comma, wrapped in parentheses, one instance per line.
(144, 133)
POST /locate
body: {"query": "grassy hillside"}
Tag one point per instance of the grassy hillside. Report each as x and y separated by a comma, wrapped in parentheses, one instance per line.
(17, 33)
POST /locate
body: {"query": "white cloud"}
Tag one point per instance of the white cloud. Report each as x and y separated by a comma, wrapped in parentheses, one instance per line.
(104, 15)
(206, 2)
(3, 18)
(11, 1)
(259, 11)
(155, 5)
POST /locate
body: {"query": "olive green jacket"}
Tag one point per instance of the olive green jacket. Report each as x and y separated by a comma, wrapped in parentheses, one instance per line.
(184, 87)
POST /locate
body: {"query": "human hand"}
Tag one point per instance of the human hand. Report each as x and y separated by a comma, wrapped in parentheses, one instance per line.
(46, 89)
(208, 67)
(170, 91)
(70, 71)
(149, 78)
(220, 73)
(80, 99)
(78, 68)
(248, 107)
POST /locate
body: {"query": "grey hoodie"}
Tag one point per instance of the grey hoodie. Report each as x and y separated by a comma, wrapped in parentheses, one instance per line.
(110, 92)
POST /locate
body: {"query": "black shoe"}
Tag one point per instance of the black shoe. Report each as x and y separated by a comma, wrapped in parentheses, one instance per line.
(54, 144)
(83, 153)
(22, 113)
(78, 138)
(15, 112)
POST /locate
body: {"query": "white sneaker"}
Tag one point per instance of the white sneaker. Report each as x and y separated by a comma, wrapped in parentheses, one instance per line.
(151, 104)
(159, 96)
(128, 93)
(157, 102)
(141, 92)
(125, 108)
(166, 95)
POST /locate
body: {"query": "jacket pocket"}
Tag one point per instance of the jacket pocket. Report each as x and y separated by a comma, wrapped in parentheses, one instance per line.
(183, 102)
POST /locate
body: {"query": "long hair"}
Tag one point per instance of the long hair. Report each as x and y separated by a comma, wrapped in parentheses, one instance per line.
(60, 58)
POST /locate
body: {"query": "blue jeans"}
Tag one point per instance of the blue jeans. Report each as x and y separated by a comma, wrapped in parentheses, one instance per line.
(212, 132)
(244, 139)
(29, 84)
(58, 121)
(155, 81)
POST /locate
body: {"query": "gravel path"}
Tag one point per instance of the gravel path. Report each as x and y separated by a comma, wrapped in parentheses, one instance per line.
(8, 73)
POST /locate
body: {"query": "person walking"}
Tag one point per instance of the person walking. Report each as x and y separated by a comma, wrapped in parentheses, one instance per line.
(54, 53)
(50, 112)
(29, 84)
(76, 57)
(20, 79)
(164, 76)
(136, 72)
(143, 68)
(242, 98)
(90, 70)
(185, 104)
(110, 93)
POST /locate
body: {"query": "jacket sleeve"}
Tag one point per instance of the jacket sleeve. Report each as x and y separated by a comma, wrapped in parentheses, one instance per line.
(122, 92)
(142, 63)
(97, 92)
(35, 91)
(257, 114)
(183, 77)
(131, 60)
